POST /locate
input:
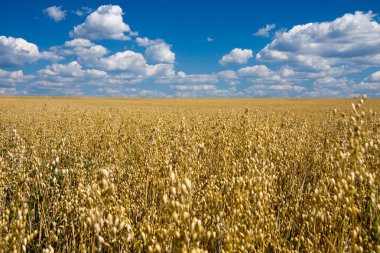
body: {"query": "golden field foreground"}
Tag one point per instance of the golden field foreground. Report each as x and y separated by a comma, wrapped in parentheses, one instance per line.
(189, 175)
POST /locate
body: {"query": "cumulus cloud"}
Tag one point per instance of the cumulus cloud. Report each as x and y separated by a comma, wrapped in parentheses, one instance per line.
(157, 51)
(160, 70)
(160, 52)
(87, 53)
(286, 87)
(71, 78)
(202, 87)
(366, 87)
(13, 77)
(352, 40)
(67, 79)
(82, 11)
(324, 93)
(71, 69)
(182, 77)
(132, 64)
(331, 83)
(90, 56)
(256, 71)
(374, 77)
(78, 43)
(121, 91)
(127, 60)
(370, 84)
(197, 78)
(8, 91)
(17, 51)
(74, 77)
(237, 56)
(331, 87)
(104, 23)
(264, 32)
(143, 42)
(278, 90)
(55, 12)
(203, 90)
(261, 74)
(227, 74)
(135, 63)
(13, 74)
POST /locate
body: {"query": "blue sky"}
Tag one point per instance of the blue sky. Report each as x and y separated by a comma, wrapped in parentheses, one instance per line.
(190, 48)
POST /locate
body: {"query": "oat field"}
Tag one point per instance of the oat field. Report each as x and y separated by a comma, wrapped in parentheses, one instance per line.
(189, 175)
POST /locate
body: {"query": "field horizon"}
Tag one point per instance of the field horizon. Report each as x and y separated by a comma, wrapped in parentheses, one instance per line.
(237, 102)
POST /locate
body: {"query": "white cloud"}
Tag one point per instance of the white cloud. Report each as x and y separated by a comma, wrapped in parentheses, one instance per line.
(160, 70)
(123, 78)
(135, 63)
(157, 51)
(202, 87)
(370, 84)
(13, 74)
(46, 55)
(227, 74)
(127, 60)
(374, 77)
(78, 43)
(351, 41)
(293, 73)
(71, 69)
(289, 72)
(74, 77)
(95, 73)
(68, 79)
(264, 32)
(182, 77)
(90, 56)
(87, 53)
(13, 77)
(104, 23)
(274, 90)
(203, 90)
(127, 67)
(256, 71)
(8, 91)
(286, 87)
(330, 82)
(324, 93)
(143, 42)
(261, 74)
(46, 83)
(237, 55)
(160, 52)
(17, 51)
(209, 39)
(129, 92)
(55, 12)
(82, 11)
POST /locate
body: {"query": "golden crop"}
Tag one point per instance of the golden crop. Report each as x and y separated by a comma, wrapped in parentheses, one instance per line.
(161, 175)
